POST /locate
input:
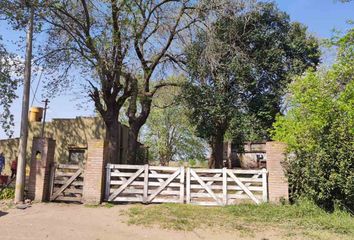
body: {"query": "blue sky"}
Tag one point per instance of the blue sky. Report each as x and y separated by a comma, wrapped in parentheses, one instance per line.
(321, 17)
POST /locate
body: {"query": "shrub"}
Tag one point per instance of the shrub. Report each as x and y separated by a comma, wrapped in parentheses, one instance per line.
(7, 193)
(319, 130)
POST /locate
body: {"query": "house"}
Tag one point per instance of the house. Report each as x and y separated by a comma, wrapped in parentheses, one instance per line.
(71, 135)
(252, 156)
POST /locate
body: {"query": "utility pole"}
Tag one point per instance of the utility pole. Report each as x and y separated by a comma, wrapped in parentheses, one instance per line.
(21, 165)
(45, 113)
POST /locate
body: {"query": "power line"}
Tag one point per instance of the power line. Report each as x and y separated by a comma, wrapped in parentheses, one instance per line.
(35, 92)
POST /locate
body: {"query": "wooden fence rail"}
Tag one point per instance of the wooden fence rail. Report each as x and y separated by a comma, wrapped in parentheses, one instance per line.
(156, 184)
(225, 186)
(66, 183)
(147, 184)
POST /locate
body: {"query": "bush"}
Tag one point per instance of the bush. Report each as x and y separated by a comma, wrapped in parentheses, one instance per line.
(319, 131)
(7, 193)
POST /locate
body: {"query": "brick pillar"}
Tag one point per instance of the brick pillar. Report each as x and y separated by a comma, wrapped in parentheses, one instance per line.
(94, 175)
(42, 158)
(277, 182)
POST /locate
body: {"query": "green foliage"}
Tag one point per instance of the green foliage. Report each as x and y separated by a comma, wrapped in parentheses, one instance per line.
(319, 130)
(303, 215)
(8, 86)
(7, 193)
(192, 162)
(239, 67)
(170, 136)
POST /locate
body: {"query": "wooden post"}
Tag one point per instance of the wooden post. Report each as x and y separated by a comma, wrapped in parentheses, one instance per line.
(265, 185)
(188, 186)
(52, 179)
(108, 181)
(224, 186)
(181, 193)
(146, 183)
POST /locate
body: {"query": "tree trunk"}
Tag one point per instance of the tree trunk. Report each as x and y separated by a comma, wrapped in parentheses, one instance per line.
(133, 145)
(217, 151)
(112, 139)
(135, 124)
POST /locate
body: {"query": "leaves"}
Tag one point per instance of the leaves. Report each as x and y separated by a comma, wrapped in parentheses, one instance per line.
(239, 66)
(319, 129)
(170, 136)
(8, 86)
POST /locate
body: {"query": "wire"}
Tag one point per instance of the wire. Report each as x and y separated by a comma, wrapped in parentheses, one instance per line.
(35, 92)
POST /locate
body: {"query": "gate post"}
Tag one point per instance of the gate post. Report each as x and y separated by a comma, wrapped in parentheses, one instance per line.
(264, 185)
(42, 159)
(94, 175)
(277, 181)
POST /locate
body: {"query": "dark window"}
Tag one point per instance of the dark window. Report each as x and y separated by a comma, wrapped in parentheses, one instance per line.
(76, 155)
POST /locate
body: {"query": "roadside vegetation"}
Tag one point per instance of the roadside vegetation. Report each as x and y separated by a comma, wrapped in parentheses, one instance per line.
(302, 220)
(7, 193)
(319, 131)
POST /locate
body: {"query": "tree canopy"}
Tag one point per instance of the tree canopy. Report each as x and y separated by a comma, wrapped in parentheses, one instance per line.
(120, 48)
(239, 66)
(8, 86)
(170, 136)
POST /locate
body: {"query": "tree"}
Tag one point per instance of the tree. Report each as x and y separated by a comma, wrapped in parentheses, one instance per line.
(239, 65)
(14, 12)
(120, 48)
(319, 130)
(170, 136)
(8, 86)
(21, 166)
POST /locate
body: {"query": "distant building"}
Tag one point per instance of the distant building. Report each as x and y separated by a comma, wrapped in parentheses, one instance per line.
(71, 135)
(253, 155)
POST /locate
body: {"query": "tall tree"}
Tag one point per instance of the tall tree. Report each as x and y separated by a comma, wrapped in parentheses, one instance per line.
(239, 65)
(124, 44)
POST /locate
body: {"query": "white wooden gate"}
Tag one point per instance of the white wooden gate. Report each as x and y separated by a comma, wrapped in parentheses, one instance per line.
(156, 184)
(144, 183)
(225, 186)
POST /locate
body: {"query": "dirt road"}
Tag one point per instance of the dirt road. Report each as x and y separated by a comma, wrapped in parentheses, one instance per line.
(65, 222)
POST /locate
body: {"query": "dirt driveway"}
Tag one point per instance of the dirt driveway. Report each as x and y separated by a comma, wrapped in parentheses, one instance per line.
(63, 221)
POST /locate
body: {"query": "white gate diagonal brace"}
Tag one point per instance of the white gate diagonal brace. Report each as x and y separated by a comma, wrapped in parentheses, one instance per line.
(244, 188)
(164, 185)
(205, 186)
(129, 181)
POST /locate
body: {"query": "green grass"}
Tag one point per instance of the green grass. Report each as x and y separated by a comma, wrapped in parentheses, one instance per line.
(7, 193)
(305, 218)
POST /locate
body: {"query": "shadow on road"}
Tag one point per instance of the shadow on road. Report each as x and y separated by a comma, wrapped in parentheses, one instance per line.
(3, 213)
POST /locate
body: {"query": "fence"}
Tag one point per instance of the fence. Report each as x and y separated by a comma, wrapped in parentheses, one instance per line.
(132, 183)
(225, 186)
(66, 183)
(156, 184)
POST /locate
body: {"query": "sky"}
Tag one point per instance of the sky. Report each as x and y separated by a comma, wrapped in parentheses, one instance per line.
(321, 17)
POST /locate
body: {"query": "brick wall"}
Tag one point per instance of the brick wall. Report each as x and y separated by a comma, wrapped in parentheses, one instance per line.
(277, 182)
(42, 158)
(94, 175)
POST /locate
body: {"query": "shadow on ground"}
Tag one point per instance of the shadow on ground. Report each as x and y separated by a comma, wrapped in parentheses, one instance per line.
(3, 213)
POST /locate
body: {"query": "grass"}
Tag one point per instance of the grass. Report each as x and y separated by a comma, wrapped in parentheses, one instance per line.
(106, 205)
(7, 193)
(304, 218)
